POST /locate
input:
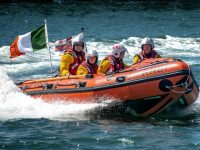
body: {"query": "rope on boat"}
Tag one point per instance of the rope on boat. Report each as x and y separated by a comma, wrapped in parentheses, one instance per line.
(185, 84)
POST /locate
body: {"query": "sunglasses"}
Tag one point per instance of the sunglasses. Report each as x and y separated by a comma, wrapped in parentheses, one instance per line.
(79, 45)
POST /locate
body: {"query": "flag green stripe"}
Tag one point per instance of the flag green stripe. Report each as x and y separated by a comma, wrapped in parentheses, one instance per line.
(38, 39)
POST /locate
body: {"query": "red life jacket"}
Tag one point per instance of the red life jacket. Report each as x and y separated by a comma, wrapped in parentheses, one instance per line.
(77, 61)
(114, 65)
(143, 56)
(92, 69)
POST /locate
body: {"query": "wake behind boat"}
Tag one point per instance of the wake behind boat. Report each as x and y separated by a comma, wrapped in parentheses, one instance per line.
(148, 87)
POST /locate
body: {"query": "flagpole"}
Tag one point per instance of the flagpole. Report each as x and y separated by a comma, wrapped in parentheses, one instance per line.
(47, 42)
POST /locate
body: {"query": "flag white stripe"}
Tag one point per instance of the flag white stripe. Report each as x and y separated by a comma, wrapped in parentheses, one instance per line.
(24, 43)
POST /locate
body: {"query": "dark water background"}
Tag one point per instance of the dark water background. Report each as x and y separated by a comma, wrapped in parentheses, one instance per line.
(29, 124)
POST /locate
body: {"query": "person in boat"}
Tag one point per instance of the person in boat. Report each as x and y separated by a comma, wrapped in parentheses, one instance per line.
(90, 65)
(147, 51)
(113, 62)
(72, 58)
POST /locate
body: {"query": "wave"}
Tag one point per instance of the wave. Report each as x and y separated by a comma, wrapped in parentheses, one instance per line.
(16, 105)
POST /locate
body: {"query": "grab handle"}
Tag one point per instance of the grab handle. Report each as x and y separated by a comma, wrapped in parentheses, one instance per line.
(120, 79)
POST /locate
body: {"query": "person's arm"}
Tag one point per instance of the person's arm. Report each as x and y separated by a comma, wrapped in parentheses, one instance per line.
(136, 58)
(103, 66)
(158, 56)
(82, 70)
(65, 62)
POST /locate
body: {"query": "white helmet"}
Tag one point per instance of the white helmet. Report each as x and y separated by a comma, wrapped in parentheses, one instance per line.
(91, 53)
(148, 41)
(78, 39)
(117, 49)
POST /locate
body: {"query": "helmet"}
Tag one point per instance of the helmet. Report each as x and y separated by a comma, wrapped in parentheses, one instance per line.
(148, 41)
(91, 53)
(117, 49)
(77, 39)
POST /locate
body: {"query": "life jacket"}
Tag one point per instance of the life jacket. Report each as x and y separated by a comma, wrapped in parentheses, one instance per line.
(143, 56)
(114, 65)
(92, 69)
(77, 61)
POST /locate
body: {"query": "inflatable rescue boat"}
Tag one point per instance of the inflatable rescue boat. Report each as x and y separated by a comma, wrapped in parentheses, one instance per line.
(148, 87)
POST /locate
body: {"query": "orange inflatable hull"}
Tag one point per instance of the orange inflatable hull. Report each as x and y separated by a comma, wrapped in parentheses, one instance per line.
(147, 87)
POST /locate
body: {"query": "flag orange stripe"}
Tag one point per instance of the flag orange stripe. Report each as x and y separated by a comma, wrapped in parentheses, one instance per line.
(14, 50)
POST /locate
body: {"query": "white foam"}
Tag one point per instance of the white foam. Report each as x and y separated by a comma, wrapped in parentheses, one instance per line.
(194, 108)
(126, 141)
(14, 104)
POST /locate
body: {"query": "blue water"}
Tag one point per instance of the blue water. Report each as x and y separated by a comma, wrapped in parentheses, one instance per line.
(26, 123)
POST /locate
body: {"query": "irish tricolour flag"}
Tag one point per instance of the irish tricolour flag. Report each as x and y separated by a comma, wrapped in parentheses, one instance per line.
(29, 42)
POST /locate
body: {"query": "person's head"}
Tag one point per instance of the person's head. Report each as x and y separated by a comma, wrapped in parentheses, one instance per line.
(92, 56)
(78, 46)
(147, 45)
(118, 51)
